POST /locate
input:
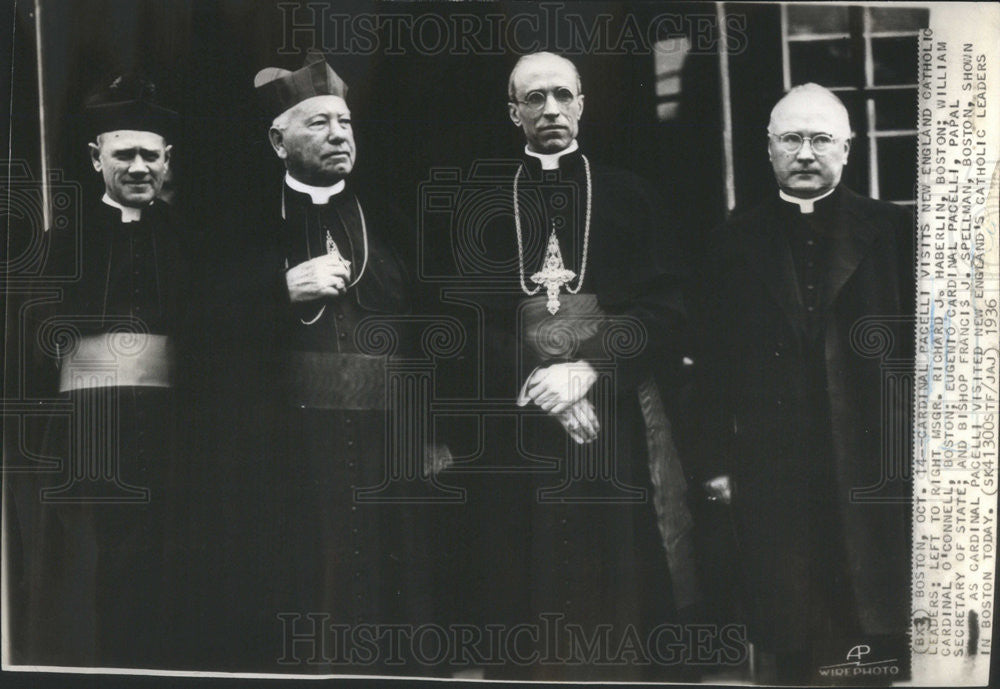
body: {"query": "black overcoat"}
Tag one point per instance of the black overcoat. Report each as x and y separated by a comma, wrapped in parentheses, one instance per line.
(758, 422)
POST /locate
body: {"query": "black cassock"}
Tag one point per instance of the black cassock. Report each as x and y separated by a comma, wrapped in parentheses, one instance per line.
(597, 534)
(306, 432)
(97, 535)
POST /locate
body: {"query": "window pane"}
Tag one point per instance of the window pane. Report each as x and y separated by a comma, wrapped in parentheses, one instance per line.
(897, 158)
(898, 18)
(854, 101)
(816, 19)
(896, 111)
(826, 62)
(895, 60)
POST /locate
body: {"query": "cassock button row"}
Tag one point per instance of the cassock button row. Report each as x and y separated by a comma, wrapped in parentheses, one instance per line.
(354, 508)
(810, 308)
(810, 242)
(810, 287)
(350, 443)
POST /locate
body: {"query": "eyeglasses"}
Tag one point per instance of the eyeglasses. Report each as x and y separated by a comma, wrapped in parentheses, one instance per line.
(535, 100)
(791, 142)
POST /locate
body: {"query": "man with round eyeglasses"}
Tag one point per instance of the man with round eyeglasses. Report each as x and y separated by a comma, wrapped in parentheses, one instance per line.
(809, 138)
(804, 423)
(590, 474)
(549, 113)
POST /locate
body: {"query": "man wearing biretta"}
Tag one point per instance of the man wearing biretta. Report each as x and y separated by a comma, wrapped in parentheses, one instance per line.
(324, 264)
(95, 532)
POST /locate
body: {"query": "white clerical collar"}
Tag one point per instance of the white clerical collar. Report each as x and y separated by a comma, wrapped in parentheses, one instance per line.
(805, 205)
(319, 195)
(550, 161)
(129, 214)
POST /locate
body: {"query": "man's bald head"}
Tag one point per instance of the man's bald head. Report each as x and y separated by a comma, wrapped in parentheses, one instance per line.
(811, 112)
(534, 58)
(814, 101)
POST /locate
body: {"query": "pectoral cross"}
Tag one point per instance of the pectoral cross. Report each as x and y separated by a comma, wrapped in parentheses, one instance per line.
(553, 274)
(333, 250)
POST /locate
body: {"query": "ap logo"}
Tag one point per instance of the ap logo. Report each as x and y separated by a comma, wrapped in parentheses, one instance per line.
(858, 652)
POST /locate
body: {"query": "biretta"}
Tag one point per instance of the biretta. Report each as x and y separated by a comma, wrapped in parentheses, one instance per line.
(280, 89)
(127, 102)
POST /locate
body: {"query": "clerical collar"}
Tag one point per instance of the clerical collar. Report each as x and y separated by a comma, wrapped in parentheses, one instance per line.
(550, 161)
(129, 214)
(319, 195)
(806, 206)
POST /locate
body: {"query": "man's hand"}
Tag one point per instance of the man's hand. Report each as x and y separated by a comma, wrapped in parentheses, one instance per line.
(580, 421)
(317, 278)
(719, 488)
(558, 386)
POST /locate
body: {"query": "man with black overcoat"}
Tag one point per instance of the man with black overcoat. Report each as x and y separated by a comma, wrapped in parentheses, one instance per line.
(806, 304)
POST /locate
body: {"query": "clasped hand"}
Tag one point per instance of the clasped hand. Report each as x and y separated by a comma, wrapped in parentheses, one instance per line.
(560, 390)
(557, 387)
(318, 278)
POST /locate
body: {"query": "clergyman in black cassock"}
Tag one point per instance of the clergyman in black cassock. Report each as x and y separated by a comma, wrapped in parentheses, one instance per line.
(595, 517)
(312, 292)
(98, 564)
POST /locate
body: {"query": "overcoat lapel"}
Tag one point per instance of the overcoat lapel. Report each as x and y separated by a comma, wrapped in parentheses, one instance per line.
(771, 258)
(848, 246)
